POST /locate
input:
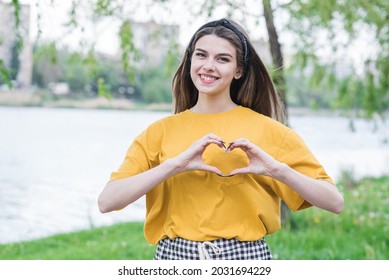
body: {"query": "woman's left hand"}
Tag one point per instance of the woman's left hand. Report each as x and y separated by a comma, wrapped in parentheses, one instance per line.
(260, 162)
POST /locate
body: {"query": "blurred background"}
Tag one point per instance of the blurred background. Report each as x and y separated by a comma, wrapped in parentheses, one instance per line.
(80, 79)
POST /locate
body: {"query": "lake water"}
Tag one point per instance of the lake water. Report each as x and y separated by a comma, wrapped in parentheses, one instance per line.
(55, 162)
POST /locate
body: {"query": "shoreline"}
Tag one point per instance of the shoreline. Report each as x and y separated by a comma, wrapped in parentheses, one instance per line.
(19, 98)
(44, 99)
(28, 99)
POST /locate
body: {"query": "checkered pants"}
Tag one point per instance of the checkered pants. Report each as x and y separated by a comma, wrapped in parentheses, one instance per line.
(220, 249)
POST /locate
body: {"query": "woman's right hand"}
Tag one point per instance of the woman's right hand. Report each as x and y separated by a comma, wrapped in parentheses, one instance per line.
(192, 158)
(120, 193)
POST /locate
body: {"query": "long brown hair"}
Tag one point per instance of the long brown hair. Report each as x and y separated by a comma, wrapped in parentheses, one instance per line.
(255, 89)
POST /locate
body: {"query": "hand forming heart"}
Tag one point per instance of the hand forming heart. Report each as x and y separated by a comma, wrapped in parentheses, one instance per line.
(260, 162)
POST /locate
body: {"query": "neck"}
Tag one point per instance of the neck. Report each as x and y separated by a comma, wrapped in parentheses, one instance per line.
(212, 104)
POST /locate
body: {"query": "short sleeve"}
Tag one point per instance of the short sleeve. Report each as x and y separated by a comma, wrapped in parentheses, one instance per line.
(142, 154)
(295, 153)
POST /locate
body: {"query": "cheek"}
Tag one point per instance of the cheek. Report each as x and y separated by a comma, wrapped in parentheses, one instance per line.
(227, 72)
(193, 69)
(195, 65)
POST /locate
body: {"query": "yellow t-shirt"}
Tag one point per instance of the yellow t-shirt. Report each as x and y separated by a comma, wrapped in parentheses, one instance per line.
(200, 205)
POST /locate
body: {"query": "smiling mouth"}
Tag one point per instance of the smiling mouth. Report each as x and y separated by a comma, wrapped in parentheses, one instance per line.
(208, 78)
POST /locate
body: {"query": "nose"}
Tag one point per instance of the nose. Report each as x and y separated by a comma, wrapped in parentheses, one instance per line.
(208, 65)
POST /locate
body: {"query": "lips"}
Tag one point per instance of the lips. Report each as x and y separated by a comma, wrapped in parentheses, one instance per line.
(206, 78)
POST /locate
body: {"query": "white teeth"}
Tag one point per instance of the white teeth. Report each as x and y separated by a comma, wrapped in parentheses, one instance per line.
(208, 78)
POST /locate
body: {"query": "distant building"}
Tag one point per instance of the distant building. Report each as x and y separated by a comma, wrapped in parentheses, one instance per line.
(154, 40)
(8, 41)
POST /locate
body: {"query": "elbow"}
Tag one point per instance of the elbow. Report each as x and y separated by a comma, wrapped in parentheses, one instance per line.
(338, 206)
(104, 206)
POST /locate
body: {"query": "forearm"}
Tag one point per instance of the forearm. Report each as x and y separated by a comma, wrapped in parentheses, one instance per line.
(120, 193)
(319, 193)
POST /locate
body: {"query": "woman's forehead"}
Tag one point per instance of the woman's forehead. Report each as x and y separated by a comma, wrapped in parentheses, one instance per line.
(213, 43)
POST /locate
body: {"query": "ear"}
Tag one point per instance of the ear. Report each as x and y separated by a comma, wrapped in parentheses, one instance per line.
(238, 74)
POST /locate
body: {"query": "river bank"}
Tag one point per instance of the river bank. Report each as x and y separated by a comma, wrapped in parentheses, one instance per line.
(24, 98)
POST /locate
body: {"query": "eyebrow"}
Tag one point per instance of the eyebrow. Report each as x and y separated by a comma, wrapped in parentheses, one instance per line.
(219, 54)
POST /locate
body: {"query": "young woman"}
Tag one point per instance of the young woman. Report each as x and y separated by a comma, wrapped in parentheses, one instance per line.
(214, 172)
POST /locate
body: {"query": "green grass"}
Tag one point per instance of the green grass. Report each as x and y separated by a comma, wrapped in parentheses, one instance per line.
(361, 232)
(121, 241)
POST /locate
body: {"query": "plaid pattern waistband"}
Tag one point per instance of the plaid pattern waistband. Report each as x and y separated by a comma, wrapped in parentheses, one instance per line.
(227, 249)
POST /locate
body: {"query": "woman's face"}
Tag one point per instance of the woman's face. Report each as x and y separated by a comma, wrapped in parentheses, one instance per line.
(214, 65)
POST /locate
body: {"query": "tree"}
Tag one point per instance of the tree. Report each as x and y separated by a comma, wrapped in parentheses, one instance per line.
(276, 53)
(337, 25)
(342, 25)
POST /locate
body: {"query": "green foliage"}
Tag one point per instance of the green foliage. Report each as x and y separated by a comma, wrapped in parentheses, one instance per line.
(88, 74)
(4, 74)
(91, 62)
(105, 8)
(46, 66)
(73, 17)
(17, 9)
(129, 52)
(155, 85)
(171, 61)
(334, 27)
(301, 93)
(359, 232)
(103, 88)
(77, 74)
(8, 74)
(80, 71)
(49, 51)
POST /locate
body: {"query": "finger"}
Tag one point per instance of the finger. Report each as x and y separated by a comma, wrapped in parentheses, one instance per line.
(240, 143)
(212, 136)
(213, 139)
(205, 141)
(243, 170)
(211, 168)
(224, 145)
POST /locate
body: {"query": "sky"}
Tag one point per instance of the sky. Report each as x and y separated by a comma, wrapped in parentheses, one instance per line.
(53, 16)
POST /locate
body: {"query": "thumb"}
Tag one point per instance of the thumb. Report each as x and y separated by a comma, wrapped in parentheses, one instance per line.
(211, 168)
(243, 170)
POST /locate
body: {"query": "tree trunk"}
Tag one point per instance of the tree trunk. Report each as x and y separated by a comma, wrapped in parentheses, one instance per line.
(276, 53)
(279, 79)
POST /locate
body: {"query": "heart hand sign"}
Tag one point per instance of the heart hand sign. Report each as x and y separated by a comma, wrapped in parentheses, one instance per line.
(224, 159)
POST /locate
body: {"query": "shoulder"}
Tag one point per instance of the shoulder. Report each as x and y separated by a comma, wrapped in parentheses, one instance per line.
(273, 134)
(160, 126)
(264, 121)
(167, 120)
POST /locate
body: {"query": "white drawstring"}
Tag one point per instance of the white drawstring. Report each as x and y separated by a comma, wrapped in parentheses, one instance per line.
(204, 255)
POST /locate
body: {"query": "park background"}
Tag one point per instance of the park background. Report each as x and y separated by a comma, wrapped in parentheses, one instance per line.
(80, 79)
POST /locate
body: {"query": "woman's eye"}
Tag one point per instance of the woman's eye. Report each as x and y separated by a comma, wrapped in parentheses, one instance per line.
(224, 59)
(199, 54)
